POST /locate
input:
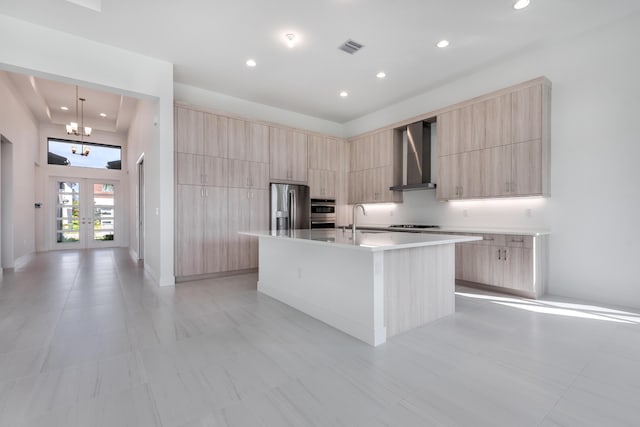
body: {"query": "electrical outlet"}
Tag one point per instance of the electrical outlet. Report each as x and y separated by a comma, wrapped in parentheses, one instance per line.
(465, 213)
(528, 212)
(390, 213)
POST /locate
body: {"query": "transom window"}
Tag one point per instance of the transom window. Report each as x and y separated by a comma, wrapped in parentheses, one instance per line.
(85, 155)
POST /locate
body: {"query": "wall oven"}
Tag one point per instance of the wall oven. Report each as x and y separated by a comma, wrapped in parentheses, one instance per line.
(323, 213)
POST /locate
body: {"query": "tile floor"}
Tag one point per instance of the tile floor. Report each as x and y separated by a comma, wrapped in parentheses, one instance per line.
(87, 340)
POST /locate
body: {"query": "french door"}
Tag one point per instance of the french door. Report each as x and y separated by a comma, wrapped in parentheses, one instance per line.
(85, 214)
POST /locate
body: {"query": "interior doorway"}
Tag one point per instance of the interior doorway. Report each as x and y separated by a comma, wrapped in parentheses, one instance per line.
(140, 208)
(6, 208)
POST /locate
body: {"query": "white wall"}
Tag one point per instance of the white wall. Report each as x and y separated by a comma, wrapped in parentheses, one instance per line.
(36, 50)
(18, 125)
(593, 211)
(253, 110)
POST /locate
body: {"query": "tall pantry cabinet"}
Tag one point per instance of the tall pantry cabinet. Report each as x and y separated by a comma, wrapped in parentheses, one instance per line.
(201, 193)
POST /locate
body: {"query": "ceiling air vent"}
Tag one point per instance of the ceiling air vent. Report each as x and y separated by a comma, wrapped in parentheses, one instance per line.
(350, 47)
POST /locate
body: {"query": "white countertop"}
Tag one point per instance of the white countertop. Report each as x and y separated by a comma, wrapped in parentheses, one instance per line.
(454, 229)
(365, 240)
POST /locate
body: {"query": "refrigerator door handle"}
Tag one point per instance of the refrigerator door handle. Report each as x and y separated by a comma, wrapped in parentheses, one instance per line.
(292, 209)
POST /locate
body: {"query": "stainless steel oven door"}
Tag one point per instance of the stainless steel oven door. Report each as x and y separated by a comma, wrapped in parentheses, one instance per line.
(323, 209)
(315, 224)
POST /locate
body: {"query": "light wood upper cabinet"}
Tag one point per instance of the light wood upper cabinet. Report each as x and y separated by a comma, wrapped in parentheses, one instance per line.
(495, 171)
(322, 183)
(215, 138)
(512, 153)
(461, 130)
(193, 169)
(527, 114)
(323, 153)
(258, 143)
(526, 169)
(498, 121)
(189, 131)
(243, 174)
(288, 153)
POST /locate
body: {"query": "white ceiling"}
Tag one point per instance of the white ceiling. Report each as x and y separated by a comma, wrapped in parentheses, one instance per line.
(45, 97)
(209, 42)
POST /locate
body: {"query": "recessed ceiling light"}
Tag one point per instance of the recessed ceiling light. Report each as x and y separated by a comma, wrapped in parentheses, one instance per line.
(251, 63)
(442, 44)
(291, 39)
(64, 108)
(344, 94)
(381, 75)
(521, 4)
(103, 115)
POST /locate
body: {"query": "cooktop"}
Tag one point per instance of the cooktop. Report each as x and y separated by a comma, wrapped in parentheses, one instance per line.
(413, 226)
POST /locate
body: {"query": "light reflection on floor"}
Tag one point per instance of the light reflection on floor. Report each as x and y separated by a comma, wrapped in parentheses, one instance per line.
(584, 311)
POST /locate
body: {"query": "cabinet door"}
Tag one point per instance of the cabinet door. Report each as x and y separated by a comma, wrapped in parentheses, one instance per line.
(356, 186)
(357, 159)
(322, 183)
(518, 268)
(189, 169)
(477, 133)
(258, 143)
(279, 154)
(259, 221)
(450, 174)
(381, 146)
(239, 217)
(471, 174)
(189, 234)
(297, 142)
(526, 168)
(323, 153)
(215, 135)
(215, 229)
(496, 171)
(238, 136)
(526, 108)
(498, 121)
(454, 131)
(239, 174)
(189, 131)
(215, 171)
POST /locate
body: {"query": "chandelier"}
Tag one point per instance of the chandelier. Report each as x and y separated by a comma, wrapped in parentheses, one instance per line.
(82, 131)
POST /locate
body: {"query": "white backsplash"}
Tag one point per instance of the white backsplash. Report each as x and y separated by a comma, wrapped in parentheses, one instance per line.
(421, 207)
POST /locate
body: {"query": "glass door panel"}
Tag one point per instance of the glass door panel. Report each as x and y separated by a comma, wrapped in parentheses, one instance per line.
(68, 213)
(103, 212)
(85, 214)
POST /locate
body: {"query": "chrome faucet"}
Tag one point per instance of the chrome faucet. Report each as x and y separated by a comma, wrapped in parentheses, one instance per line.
(354, 216)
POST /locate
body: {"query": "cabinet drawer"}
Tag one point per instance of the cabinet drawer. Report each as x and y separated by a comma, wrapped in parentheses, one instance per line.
(520, 241)
(492, 240)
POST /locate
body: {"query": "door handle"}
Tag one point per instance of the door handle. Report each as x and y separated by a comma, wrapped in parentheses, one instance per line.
(499, 251)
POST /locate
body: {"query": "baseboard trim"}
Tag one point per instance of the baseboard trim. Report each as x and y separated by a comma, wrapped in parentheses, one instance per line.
(182, 279)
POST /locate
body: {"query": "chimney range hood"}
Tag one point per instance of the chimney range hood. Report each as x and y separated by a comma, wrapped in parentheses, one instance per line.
(416, 160)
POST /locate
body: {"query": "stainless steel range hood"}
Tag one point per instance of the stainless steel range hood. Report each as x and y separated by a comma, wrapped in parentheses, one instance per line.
(416, 158)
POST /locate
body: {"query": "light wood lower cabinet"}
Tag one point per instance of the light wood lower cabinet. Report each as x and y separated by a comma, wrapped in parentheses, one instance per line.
(201, 224)
(248, 210)
(505, 261)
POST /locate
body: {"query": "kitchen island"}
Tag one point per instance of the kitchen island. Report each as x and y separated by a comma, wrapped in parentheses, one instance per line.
(371, 285)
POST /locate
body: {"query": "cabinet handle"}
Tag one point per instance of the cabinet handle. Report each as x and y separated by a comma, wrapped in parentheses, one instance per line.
(517, 240)
(206, 192)
(507, 187)
(488, 238)
(504, 258)
(499, 253)
(512, 187)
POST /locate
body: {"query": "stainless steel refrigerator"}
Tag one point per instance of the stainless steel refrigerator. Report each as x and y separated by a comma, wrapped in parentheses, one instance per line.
(290, 207)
